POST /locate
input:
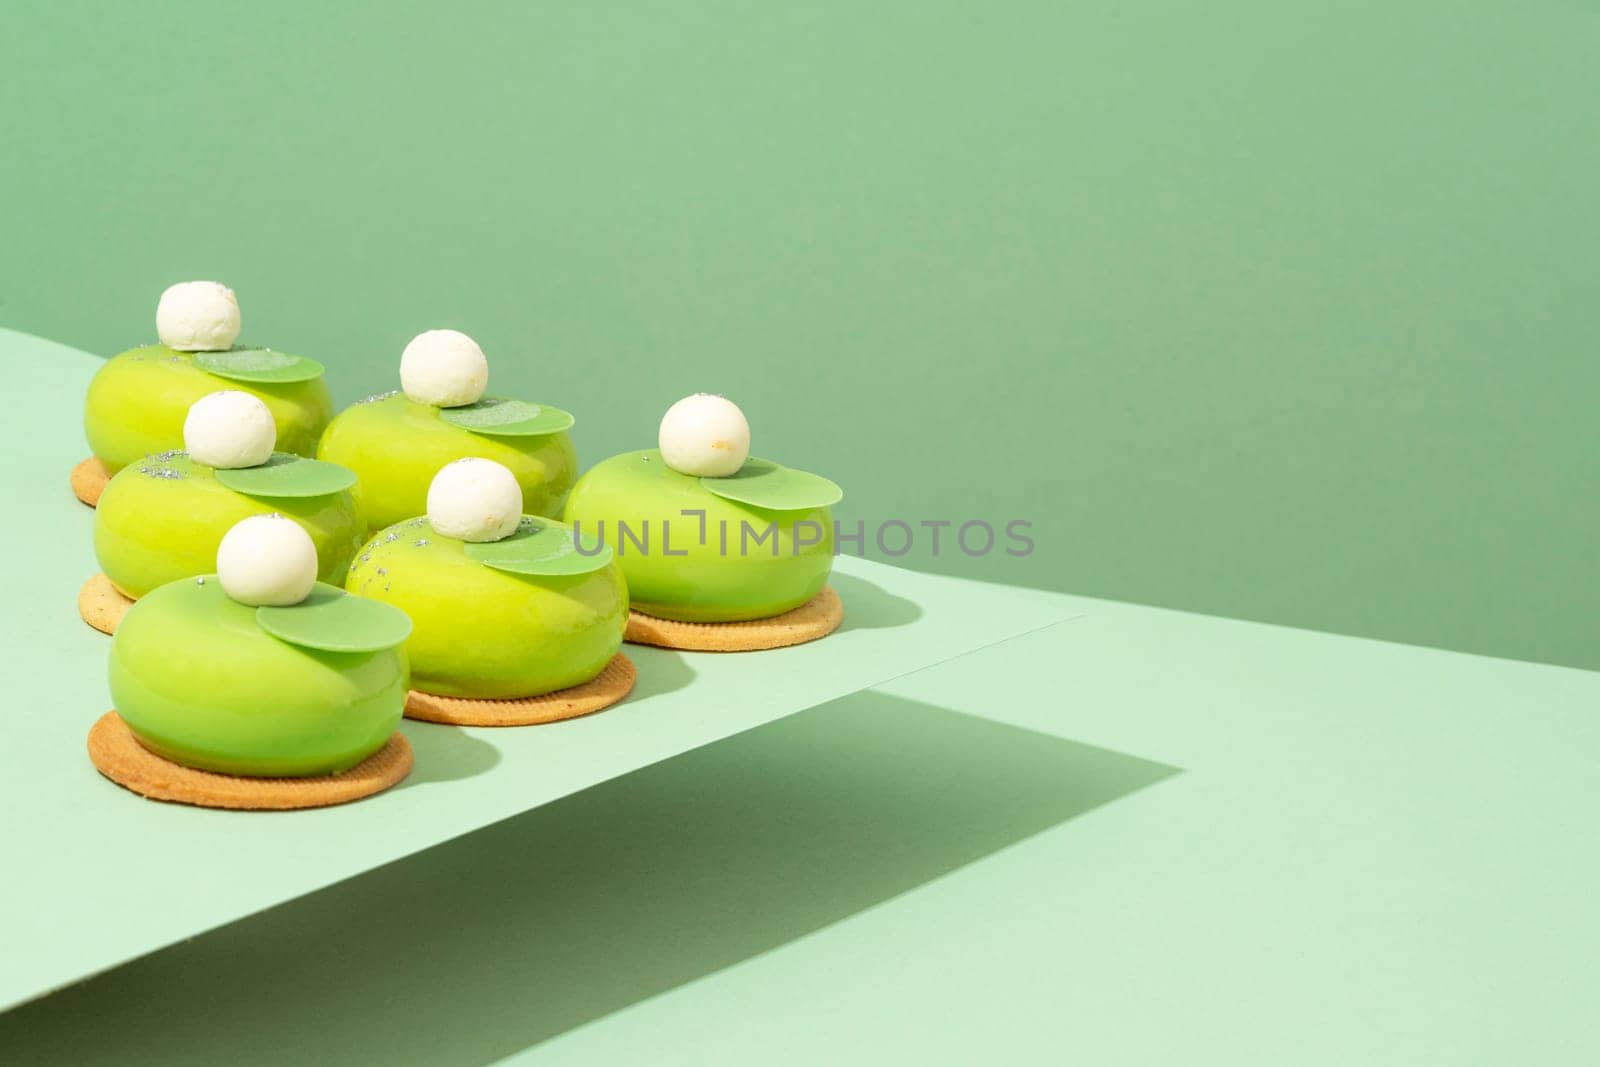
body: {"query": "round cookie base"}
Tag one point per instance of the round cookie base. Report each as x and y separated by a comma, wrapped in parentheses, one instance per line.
(117, 754)
(89, 480)
(614, 682)
(816, 618)
(101, 605)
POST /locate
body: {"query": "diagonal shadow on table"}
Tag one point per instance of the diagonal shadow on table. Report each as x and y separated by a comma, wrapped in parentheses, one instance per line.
(517, 933)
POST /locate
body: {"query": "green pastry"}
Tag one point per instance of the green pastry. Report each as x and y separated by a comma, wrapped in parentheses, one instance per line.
(258, 670)
(396, 442)
(505, 605)
(137, 401)
(163, 517)
(703, 532)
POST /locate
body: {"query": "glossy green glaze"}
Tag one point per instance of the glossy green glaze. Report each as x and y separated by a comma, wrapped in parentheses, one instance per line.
(485, 633)
(137, 403)
(201, 684)
(396, 446)
(726, 568)
(162, 519)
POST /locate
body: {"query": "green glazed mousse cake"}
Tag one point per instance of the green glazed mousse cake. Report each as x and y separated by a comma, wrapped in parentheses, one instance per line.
(163, 517)
(258, 670)
(396, 442)
(505, 606)
(137, 401)
(703, 532)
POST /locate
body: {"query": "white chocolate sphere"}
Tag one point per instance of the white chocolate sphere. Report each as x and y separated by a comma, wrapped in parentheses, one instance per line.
(229, 429)
(198, 317)
(474, 500)
(445, 368)
(704, 435)
(267, 560)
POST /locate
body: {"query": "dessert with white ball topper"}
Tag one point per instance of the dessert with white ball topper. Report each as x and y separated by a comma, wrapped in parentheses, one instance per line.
(397, 441)
(137, 402)
(722, 551)
(256, 686)
(517, 620)
(164, 517)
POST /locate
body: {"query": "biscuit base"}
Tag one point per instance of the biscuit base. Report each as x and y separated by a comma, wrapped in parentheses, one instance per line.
(613, 683)
(817, 617)
(117, 754)
(89, 480)
(101, 604)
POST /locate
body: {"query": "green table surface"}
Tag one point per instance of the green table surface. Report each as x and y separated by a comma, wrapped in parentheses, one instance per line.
(1126, 835)
(1136, 837)
(95, 875)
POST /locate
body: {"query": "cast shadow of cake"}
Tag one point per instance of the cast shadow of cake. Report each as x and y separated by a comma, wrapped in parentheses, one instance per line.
(661, 670)
(524, 930)
(868, 606)
(446, 754)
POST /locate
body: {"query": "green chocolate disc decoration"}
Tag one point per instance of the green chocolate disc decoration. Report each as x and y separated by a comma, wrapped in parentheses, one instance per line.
(764, 484)
(541, 548)
(258, 365)
(496, 416)
(288, 476)
(331, 620)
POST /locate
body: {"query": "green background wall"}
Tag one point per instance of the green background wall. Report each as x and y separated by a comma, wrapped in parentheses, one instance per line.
(1281, 311)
